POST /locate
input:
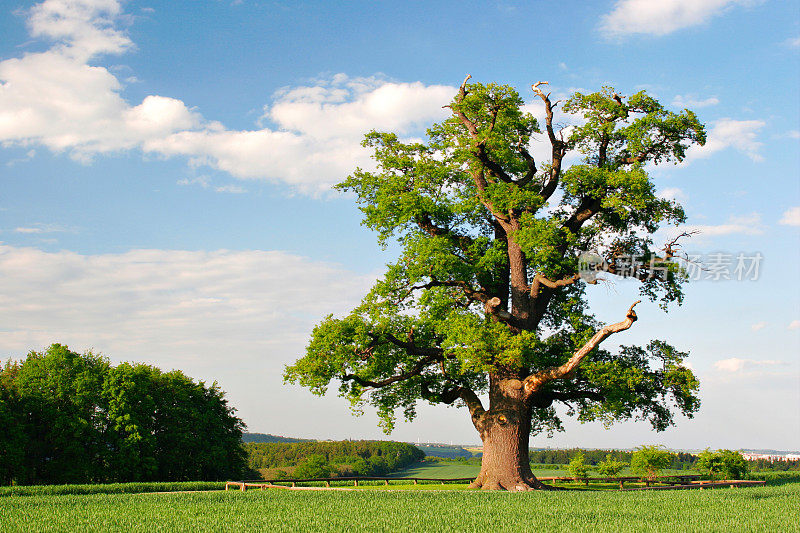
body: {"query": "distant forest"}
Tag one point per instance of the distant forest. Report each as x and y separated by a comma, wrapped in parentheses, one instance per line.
(330, 458)
(266, 437)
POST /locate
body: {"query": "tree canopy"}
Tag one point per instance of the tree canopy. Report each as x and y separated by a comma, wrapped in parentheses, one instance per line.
(488, 296)
(71, 418)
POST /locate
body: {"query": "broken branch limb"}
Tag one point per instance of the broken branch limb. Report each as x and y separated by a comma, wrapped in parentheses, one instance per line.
(533, 382)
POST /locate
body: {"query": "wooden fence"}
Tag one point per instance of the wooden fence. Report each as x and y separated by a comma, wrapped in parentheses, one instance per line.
(677, 481)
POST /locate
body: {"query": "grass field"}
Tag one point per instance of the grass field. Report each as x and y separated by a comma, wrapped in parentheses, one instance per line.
(446, 469)
(771, 508)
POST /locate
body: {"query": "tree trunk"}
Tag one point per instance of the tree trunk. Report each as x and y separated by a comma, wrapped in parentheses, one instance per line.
(505, 431)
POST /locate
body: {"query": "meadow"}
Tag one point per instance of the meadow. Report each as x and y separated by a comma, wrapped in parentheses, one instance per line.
(770, 508)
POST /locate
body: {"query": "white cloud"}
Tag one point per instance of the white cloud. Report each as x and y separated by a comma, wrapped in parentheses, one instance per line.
(728, 133)
(791, 217)
(672, 193)
(758, 326)
(735, 365)
(233, 189)
(794, 42)
(38, 229)
(319, 131)
(168, 302)
(80, 28)
(736, 225)
(794, 324)
(663, 16)
(58, 99)
(692, 102)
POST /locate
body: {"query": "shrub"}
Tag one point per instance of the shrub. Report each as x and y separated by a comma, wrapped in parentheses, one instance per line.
(722, 464)
(649, 461)
(610, 467)
(578, 467)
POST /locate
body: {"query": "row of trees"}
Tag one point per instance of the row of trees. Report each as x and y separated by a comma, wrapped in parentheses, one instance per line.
(73, 418)
(678, 461)
(649, 461)
(332, 458)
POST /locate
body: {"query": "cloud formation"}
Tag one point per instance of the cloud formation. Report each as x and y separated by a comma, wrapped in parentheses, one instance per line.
(736, 365)
(736, 225)
(741, 135)
(791, 217)
(59, 99)
(663, 16)
(692, 102)
(169, 302)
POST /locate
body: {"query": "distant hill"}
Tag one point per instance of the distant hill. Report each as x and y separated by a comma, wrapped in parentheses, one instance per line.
(266, 437)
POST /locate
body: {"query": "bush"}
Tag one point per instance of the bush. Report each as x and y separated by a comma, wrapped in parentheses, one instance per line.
(578, 467)
(649, 461)
(725, 464)
(610, 467)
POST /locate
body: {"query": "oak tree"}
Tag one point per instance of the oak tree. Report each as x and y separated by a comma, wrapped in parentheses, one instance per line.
(486, 306)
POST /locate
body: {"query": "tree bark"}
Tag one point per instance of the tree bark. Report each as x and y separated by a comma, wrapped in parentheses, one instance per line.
(505, 431)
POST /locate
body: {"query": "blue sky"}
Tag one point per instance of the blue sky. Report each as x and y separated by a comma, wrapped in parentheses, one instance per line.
(166, 170)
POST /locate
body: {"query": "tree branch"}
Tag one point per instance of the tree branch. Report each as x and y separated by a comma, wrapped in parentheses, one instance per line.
(416, 370)
(539, 280)
(472, 401)
(533, 382)
(558, 145)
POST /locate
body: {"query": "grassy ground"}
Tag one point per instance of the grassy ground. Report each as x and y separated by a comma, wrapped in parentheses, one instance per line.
(771, 508)
(448, 469)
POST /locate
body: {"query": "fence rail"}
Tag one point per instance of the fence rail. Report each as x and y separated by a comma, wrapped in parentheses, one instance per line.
(673, 480)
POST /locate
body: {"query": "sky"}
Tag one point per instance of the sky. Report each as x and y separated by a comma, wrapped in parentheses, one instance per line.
(166, 171)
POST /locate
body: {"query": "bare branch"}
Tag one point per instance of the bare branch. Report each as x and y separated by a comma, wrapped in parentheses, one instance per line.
(493, 308)
(535, 381)
(558, 145)
(670, 249)
(539, 280)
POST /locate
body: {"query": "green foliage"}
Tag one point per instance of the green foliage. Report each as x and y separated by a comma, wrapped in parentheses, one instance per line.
(649, 461)
(74, 418)
(313, 466)
(725, 464)
(460, 204)
(357, 458)
(610, 467)
(266, 437)
(578, 467)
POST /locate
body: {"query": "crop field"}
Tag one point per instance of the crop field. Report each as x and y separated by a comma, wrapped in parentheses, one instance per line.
(770, 508)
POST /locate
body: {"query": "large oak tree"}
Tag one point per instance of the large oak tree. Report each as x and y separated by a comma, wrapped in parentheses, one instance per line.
(488, 298)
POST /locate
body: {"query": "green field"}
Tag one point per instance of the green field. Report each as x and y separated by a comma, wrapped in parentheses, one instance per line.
(772, 508)
(444, 469)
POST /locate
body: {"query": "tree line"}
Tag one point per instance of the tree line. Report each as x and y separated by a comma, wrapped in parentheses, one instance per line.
(678, 460)
(332, 458)
(75, 418)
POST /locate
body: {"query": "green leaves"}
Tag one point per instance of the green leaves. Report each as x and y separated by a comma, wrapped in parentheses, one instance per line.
(481, 224)
(79, 419)
(640, 130)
